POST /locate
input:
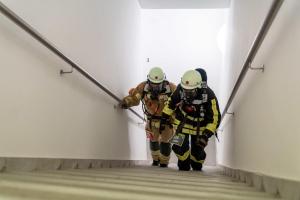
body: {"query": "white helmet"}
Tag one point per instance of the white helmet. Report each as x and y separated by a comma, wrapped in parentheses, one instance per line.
(156, 75)
(191, 79)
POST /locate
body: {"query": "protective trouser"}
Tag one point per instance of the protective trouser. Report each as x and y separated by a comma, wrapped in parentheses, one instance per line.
(188, 157)
(159, 142)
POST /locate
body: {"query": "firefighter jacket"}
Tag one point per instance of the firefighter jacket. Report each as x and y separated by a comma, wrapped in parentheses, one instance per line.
(193, 118)
(152, 105)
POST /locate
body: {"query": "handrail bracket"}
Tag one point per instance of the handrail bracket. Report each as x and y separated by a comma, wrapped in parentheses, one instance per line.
(61, 72)
(262, 68)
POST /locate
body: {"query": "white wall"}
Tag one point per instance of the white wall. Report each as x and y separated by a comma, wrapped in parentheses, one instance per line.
(263, 136)
(178, 40)
(45, 115)
(186, 4)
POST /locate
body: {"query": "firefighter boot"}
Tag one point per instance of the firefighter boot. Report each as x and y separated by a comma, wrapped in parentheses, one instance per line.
(165, 151)
(154, 147)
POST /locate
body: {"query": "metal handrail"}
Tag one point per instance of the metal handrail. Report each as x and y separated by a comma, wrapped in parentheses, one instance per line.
(253, 50)
(35, 34)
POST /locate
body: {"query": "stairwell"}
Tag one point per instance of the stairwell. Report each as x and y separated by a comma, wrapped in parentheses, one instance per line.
(143, 182)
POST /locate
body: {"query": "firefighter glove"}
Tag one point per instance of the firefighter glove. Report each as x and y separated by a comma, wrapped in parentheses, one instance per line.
(123, 105)
(203, 139)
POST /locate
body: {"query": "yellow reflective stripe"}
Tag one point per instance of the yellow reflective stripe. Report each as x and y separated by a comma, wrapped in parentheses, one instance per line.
(213, 126)
(155, 153)
(189, 117)
(164, 159)
(187, 128)
(195, 119)
(191, 132)
(195, 160)
(167, 110)
(184, 156)
(176, 122)
(188, 131)
(155, 124)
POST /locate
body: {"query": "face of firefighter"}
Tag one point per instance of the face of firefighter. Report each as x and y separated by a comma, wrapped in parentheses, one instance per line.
(189, 95)
(155, 90)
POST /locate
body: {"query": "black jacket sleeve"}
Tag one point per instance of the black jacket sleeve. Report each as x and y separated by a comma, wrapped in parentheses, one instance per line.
(172, 102)
(213, 115)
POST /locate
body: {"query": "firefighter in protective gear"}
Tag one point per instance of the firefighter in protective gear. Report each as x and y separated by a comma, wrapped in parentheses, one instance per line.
(153, 94)
(197, 116)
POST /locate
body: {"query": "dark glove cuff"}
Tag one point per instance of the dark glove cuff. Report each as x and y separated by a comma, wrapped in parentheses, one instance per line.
(204, 137)
(165, 116)
(207, 133)
(202, 141)
(123, 104)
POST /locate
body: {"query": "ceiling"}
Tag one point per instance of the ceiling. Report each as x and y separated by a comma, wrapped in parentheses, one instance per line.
(184, 4)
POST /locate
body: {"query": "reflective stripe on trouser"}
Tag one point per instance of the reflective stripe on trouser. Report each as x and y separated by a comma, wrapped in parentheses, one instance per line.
(182, 152)
(187, 128)
(155, 150)
(159, 145)
(193, 159)
(198, 154)
(165, 151)
(165, 146)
